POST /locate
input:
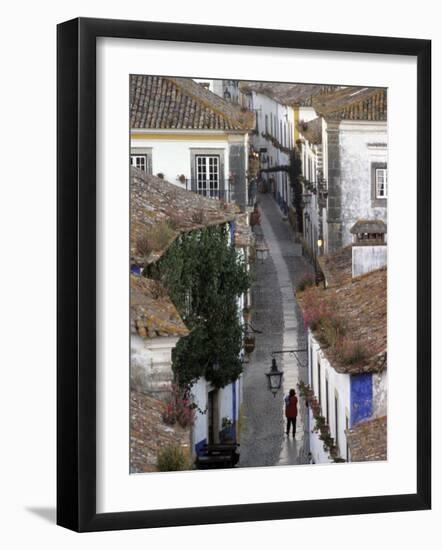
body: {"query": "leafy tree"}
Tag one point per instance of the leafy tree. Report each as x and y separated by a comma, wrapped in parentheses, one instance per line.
(204, 276)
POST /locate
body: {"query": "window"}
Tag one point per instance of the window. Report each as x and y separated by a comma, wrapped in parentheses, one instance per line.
(381, 183)
(141, 158)
(207, 175)
(139, 161)
(267, 124)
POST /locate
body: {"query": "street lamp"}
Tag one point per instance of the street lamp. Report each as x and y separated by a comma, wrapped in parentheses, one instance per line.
(274, 377)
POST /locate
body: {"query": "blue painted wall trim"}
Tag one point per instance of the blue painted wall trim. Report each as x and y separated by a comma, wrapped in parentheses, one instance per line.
(361, 397)
(136, 270)
(232, 233)
(199, 447)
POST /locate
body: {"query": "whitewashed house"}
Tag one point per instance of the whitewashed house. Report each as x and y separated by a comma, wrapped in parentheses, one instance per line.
(273, 139)
(348, 377)
(156, 324)
(351, 179)
(156, 328)
(188, 135)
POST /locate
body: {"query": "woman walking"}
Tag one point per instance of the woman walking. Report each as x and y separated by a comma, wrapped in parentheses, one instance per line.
(291, 411)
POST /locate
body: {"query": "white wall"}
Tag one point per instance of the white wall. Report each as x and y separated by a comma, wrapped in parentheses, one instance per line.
(356, 157)
(172, 158)
(200, 392)
(338, 384)
(380, 393)
(266, 106)
(151, 364)
(368, 258)
(199, 430)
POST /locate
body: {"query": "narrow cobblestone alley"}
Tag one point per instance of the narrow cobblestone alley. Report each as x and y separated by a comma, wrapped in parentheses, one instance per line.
(276, 314)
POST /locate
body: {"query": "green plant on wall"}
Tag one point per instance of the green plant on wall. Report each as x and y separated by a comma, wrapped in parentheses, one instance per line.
(295, 175)
(204, 276)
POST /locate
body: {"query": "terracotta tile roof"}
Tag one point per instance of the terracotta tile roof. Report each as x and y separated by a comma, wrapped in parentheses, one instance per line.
(286, 93)
(158, 102)
(152, 312)
(312, 130)
(362, 305)
(368, 440)
(160, 211)
(149, 434)
(353, 103)
(369, 226)
(337, 268)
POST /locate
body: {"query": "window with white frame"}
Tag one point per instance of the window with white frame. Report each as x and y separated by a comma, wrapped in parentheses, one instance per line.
(139, 161)
(381, 183)
(141, 158)
(208, 175)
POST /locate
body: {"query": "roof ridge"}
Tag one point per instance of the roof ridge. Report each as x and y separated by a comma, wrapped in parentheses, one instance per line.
(181, 83)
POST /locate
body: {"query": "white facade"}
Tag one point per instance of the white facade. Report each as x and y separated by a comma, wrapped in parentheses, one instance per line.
(226, 404)
(361, 144)
(333, 390)
(334, 397)
(195, 160)
(346, 159)
(275, 133)
(151, 364)
(171, 154)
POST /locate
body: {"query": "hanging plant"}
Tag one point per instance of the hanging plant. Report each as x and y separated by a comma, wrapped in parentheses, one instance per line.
(249, 343)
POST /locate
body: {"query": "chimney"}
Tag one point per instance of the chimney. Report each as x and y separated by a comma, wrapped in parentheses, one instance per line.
(369, 248)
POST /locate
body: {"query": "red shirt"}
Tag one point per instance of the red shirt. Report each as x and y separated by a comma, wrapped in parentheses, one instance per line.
(291, 407)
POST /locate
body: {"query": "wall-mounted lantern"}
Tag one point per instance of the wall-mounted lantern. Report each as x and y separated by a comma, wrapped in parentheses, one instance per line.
(274, 378)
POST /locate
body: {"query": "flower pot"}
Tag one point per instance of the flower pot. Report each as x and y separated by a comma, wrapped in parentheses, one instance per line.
(249, 344)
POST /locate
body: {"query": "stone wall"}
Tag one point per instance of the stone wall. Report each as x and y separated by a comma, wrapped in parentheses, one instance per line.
(151, 365)
(353, 147)
(380, 392)
(237, 162)
(368, 258)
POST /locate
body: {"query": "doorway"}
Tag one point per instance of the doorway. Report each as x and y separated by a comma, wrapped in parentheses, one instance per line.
(213, 420)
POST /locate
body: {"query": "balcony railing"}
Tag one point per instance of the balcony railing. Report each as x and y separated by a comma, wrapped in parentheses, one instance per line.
(219, 189)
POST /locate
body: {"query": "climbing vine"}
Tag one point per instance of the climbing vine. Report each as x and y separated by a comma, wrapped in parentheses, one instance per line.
(204, 277)
(294, 171)
(295, 175)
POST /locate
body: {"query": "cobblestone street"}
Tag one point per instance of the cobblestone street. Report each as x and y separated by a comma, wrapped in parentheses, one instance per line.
(276, 314)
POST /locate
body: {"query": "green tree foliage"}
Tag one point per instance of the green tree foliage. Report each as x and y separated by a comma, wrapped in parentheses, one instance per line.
(295, 175)
(204, 277)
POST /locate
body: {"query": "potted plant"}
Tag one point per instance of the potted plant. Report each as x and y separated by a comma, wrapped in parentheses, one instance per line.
(249, 343)
(227, 434)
